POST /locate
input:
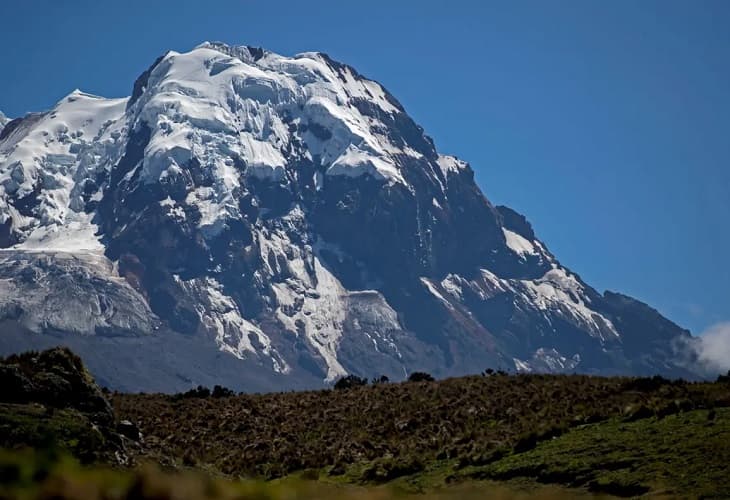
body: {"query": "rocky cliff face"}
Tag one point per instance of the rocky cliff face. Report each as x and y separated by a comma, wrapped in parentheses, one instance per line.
(269, 222)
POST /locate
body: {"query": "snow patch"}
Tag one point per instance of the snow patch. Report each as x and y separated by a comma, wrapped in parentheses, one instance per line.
(450, 164)
(4, 120)
(78, 235)
(234, 334)
(48, 156)
(559, 291)
(522, 366)
(435, 292)
(320, 312)
(518, 244)
(547, 360)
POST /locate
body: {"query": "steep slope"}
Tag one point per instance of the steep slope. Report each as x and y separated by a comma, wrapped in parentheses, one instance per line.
(287, 214)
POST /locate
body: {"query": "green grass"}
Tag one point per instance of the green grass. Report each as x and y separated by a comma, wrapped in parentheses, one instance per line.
(686, 454)
(679, 455)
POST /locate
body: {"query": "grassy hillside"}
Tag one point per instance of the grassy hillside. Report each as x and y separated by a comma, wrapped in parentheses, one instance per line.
(684, 455)
(431, 434)
(496, 435)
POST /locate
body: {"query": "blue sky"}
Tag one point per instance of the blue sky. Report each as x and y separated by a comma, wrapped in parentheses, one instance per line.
(606, 123)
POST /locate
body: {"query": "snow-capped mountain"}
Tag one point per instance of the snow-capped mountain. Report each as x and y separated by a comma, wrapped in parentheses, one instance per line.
(268, 222)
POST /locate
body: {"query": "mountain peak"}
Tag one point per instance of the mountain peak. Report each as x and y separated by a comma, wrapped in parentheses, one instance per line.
(260, 105)
(245, 53)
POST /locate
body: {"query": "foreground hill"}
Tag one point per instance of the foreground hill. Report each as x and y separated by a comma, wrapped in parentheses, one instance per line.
(49, 401)
(551, 435)
(381, 432)
(273, 222)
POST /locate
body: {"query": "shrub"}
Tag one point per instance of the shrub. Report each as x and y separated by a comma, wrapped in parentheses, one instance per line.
(646, 384)
(526, 442)
(724, 379)
(350, 381)
(222, 392)
(420, 377)
(383, 379)
(198, 392)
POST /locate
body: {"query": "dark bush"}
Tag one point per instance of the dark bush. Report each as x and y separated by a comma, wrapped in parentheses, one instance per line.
(222, 392)
(420, 377)
(724, 379)
(350, 381)
(383, 379)
(618, 488)
(646, 384)
(526, 442)
(198, 392)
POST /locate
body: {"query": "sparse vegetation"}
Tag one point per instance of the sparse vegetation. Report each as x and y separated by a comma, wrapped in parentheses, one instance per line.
(222, 392)
(198, 392)
(386, 428)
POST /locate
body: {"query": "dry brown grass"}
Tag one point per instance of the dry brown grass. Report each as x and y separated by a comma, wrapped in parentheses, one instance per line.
(396, 429)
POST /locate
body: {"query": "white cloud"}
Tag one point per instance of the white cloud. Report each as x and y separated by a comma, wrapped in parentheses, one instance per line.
(712, 348)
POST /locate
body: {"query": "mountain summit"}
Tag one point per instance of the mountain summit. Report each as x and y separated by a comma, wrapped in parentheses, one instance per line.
(270, 222)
